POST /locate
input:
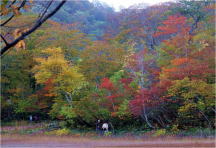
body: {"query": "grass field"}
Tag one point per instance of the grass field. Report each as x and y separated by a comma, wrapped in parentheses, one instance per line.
(37, 135)
(43, 141)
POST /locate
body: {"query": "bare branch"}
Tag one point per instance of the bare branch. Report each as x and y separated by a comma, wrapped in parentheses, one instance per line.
(7, 20)
(4, 39)
(9, 6)
(12, 3)
(45, 11)
(22, 5)
(37, 24)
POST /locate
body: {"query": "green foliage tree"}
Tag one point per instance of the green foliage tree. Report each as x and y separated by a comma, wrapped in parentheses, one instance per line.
(101, 59)
(196, 99)
(17, 84)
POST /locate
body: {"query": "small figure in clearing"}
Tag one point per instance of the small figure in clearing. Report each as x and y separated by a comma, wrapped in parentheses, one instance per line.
(105, 127)
(98, 125)
(30, 118)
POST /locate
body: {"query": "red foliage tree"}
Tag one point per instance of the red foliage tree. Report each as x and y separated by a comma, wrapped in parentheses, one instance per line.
(148, 103)
(186, 67)
(107, 84)
(45, 95)
(172, 25)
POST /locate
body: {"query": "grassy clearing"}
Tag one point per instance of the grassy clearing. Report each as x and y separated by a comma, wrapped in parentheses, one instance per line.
(40, 135)
(43, 128)
(71, 141)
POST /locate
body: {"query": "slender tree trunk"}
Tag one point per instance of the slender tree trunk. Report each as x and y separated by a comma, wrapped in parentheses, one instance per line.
(206, 118)
(145, 116)
(213, 110)
(163, 124)
(68, 97)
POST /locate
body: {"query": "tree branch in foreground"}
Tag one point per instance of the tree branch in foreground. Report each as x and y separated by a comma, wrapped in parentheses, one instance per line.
(37, 25)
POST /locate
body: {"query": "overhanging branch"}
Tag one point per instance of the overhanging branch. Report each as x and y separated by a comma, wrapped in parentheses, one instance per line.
(37, 24)
(22, 5)
(6, 43)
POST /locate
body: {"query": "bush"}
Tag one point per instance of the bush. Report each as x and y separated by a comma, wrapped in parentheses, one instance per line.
(59, 132)
(107, 134)
(160, 132)
(175, 129)
(63, 131)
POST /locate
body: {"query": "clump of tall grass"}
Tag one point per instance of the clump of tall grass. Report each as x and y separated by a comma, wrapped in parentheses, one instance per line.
(197, 132)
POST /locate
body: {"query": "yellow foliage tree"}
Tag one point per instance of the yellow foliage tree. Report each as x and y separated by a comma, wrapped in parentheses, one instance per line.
(52, 65)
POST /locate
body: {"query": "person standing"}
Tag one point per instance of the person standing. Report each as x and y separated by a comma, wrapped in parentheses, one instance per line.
(30, 118)
(98, 123)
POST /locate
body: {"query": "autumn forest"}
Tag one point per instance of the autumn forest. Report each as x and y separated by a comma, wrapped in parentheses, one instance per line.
(141, 68)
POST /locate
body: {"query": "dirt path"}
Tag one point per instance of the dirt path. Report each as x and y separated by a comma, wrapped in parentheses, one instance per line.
(76, 142)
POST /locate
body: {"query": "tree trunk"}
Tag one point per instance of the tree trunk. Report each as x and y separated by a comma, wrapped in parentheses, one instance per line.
(145, 116)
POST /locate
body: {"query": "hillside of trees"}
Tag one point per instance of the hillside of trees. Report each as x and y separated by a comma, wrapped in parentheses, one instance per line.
(139, 68)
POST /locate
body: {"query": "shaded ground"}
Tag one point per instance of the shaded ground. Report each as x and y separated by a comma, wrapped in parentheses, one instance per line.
(83, 142)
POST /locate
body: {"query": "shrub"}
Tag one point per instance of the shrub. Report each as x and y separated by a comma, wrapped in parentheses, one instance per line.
(63, 131)
(160, 132)
(175, 129)
(107, 134)
(59, 132)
